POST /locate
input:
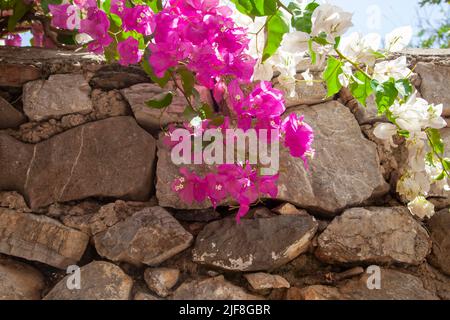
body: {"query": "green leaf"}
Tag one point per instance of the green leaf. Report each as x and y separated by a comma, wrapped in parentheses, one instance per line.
(206, 111)
(45, 3)
(256, 8)
(276, 28)
(385, 95)
(188, 80)
(331, 76)
(312, 53)
(148, 69)
(362, 89)
(189, 113)
(20, 9)
(116, 20)
(404, 87)
(301, 19)
(435, 140)
(161, 100)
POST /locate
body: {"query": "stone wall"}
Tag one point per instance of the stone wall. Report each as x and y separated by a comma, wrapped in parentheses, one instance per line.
(84, 181)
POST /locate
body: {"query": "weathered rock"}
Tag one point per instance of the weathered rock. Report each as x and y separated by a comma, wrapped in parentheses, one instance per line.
(149, 118)
(61, 94)
(254, 244)
(161, 280)
(92, 160)
(341, 151)
(19, 281)
(145, 296)
(345, 170)
(10, 117)
(16, 75)
(13, 200)
(307, 95)
(439, 227)
(211, 289)
(288, 209)
(394, 285)
(374, 235)
(149, 237)
(205, 215)
(364, 114)
(40, 238)
(434, 84)
(152, 119)
(115, 76)
(99, 281)
(261, 281)
(434, 281)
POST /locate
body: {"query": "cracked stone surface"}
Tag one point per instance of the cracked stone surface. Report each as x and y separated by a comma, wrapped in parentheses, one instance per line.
(150, 236)
(40, 238)
(216, 288)
(254, 244)
(161, 280)
(374, 235)
(87, 161)
(60, 95)
(99, 281)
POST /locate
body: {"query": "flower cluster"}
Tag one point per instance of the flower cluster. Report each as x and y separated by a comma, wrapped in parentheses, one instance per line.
(241, 183)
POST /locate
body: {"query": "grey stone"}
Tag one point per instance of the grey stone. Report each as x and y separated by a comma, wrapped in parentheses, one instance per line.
(211, 289)
(61, 94)
(374, 235)
(99, 281)
(108, 158)
(19, 281)
(439, 226)
(10, 117)
(150, 237)
(39, 238)
(254, 244)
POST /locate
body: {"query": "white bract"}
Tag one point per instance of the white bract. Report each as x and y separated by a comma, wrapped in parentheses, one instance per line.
(361, 48)
(421, 207)
(397, 69)
(330, 20)
(398, 39)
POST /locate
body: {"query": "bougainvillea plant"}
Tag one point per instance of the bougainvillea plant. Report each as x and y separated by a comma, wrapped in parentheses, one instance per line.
(234, 48)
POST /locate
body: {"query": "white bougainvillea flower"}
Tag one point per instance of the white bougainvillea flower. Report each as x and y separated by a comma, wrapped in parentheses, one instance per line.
(417, 151)
(361, 48)
(397, 69)
(398, 39)
(346, 75)
(434, 119)
(385, 132)
(413, 184)
(331, 20)
(421, 207)
(308, 77)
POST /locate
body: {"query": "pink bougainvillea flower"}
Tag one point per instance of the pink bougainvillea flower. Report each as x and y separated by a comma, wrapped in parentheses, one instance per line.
(13, 40)
(64, 16)
(299, 136)
(129, 51)
(139, 18)
(265, 101)
(96, 25)
(216, 188)
(117, 7)
(268, 185)
(190, 187)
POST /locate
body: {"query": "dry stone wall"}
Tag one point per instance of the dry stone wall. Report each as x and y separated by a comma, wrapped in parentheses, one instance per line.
(85, 180)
